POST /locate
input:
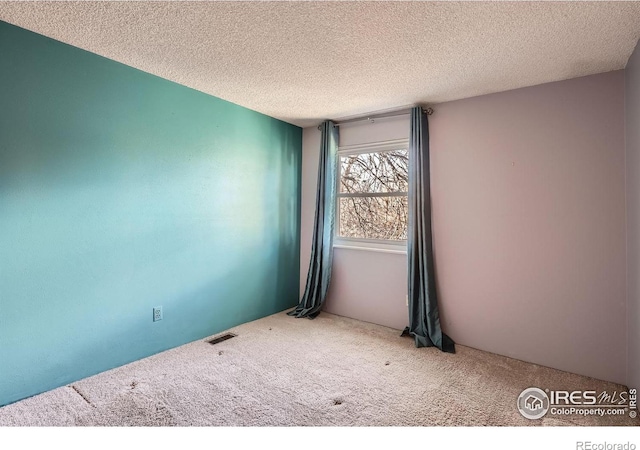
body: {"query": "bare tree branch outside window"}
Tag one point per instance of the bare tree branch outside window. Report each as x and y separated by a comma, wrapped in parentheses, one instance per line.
(372, 196)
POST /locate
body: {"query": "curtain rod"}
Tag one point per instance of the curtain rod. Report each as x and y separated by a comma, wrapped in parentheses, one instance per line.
(372, 117)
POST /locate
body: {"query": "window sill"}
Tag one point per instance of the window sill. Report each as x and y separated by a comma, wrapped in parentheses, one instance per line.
(379, 248)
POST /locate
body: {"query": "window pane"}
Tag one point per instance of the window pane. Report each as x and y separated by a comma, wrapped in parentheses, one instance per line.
(373, 217)
(374, 172)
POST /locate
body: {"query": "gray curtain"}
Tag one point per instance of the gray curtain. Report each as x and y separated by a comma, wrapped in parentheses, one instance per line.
(424, 318)
(319, 274)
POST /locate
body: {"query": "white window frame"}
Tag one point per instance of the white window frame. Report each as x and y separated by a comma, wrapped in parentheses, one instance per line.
(379, 245)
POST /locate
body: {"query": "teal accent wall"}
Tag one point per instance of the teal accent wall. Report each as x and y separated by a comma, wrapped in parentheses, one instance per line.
(121, 191)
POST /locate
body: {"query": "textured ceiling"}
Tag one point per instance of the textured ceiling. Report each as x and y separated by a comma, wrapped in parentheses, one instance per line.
(303, 62)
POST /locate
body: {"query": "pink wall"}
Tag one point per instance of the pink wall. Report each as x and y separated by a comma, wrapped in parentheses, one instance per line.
(529, 228)
(632, 131)
(529, 223)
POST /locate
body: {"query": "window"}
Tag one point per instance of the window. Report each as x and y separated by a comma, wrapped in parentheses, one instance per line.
(372, 203)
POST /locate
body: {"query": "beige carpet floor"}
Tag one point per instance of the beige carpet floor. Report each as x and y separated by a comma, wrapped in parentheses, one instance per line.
(330, 371)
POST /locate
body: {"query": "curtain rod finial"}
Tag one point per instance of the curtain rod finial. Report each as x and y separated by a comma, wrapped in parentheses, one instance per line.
(429, 111)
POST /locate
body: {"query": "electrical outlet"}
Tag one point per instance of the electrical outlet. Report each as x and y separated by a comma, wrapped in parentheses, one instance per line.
(157, 313)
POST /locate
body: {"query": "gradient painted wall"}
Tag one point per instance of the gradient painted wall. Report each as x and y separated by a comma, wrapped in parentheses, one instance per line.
(529, 228)
(632, 132)
(121, 191)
